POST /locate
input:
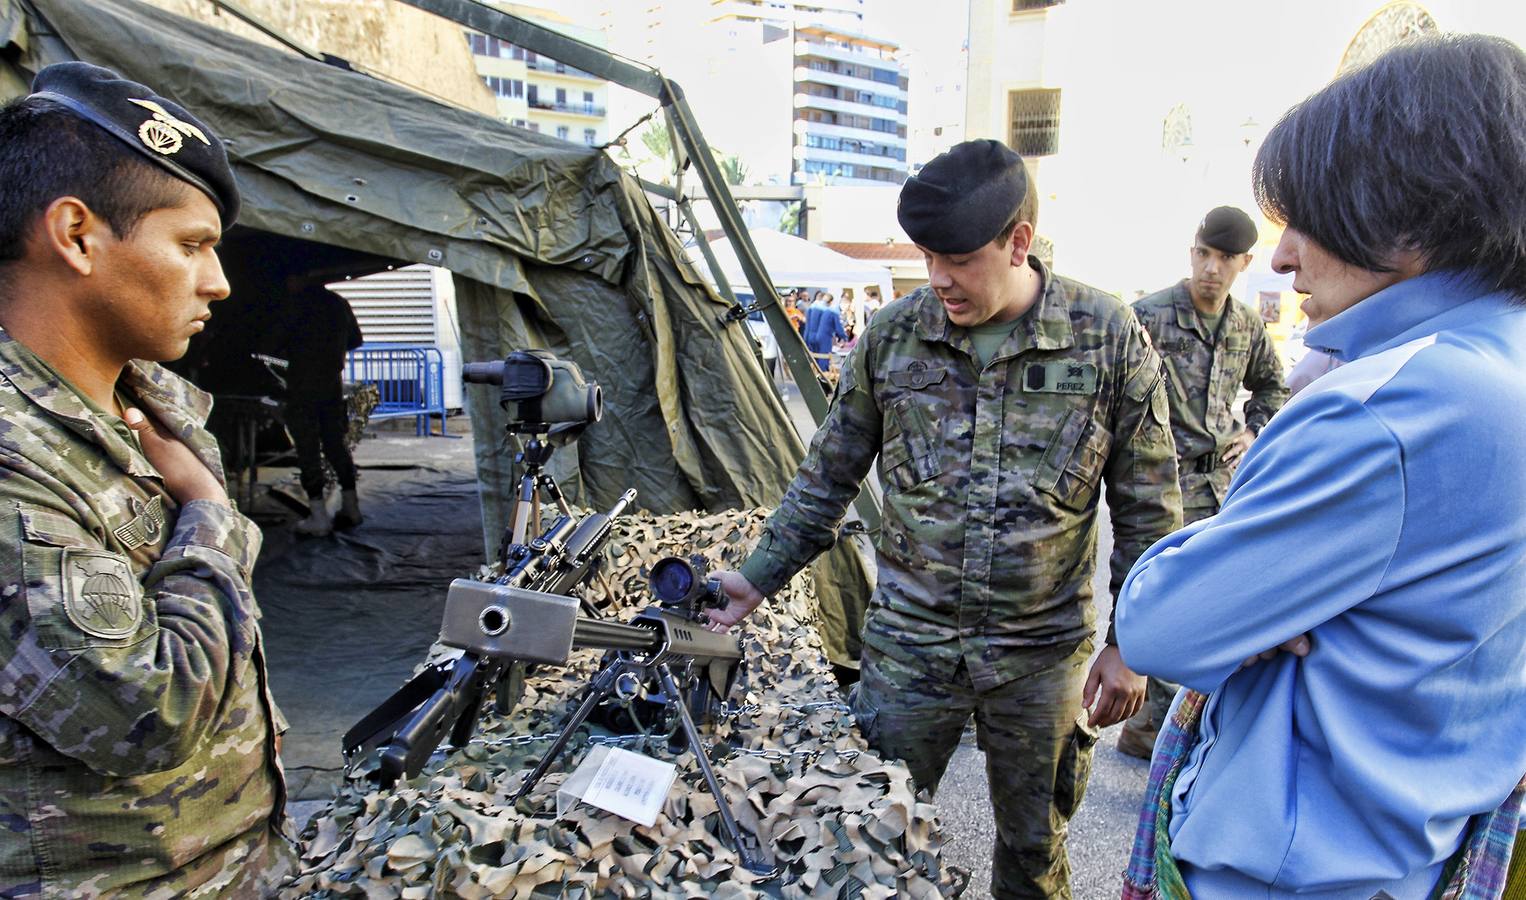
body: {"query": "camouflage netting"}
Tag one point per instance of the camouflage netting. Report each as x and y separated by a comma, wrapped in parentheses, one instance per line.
(838, 821)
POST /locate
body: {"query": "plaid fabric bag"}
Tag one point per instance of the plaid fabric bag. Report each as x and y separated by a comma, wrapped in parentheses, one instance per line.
(1476, 872)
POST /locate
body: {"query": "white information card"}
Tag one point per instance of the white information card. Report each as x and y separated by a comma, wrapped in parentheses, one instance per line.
(627, 784)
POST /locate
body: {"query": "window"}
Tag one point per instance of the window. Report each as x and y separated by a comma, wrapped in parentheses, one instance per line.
(1034, 125)
(590, 136)
(519, 123)
(561, 96)
(1030, 5)
(512, 88)
(562, 132)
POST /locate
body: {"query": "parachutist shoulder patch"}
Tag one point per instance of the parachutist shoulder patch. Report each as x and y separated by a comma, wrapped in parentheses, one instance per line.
(101, 597)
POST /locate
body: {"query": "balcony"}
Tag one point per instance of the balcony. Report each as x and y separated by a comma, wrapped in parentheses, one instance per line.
(811, 101)
(802, 126)
(571, 109)
(821, 154)
(865, 56)
(805, 73)
(552, 67)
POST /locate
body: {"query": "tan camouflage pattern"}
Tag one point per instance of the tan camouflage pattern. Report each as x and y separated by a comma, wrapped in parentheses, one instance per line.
(991, 488)
(838, 820)
(136, 741)
(1204, 373)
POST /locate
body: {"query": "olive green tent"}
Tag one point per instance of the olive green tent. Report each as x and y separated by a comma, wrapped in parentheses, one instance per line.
(550, 243)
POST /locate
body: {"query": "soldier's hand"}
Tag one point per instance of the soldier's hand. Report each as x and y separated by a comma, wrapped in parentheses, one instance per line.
(1298, 646)
(1117, 691)
(743, 599)
(1237, 448)
(185, 476)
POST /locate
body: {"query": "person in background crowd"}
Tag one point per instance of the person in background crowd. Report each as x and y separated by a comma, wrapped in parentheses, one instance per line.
(792, 308)
(823, 328)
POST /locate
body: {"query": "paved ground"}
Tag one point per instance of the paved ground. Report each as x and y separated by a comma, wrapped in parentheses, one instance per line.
(1100, 833)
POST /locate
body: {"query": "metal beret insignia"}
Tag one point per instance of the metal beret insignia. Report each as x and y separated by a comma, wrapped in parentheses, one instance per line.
(162, 132)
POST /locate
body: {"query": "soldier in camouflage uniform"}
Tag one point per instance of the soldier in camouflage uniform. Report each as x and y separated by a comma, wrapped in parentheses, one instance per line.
(1211, 346)
(998, 400)
(137, 733)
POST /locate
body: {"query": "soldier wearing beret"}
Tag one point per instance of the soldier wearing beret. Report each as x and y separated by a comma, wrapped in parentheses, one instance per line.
(998, 401)
(138, 738)
(1211, 346)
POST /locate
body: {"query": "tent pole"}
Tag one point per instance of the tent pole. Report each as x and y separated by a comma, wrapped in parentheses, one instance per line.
(685, 130)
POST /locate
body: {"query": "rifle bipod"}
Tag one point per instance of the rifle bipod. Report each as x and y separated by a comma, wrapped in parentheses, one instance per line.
(602, 686)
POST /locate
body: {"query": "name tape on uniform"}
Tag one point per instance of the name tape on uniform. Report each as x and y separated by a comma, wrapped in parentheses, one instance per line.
(1060, 377)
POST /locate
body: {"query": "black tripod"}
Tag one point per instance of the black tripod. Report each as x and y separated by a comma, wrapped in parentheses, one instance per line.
(605, 684)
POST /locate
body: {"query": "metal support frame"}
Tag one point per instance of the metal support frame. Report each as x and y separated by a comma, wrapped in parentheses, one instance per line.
(690, 143)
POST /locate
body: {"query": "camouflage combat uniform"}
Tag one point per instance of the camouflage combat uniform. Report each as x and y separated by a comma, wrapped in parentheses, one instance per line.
(1204, 373)
(983, 603)
(136, 727)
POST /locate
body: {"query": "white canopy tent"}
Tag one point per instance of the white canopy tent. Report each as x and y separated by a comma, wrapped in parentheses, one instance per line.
(792, 262)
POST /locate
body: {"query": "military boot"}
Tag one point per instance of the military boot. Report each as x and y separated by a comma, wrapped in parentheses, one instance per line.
(349, 510)
(318, 522)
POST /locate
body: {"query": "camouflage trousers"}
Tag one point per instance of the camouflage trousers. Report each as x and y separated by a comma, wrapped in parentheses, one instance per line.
(1158, 693)
(1036, 743)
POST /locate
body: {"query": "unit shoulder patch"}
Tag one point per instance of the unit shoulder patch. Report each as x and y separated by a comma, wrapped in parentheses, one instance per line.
(101, 596)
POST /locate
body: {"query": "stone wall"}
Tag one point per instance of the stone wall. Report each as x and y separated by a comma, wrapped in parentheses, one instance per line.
(386, 38)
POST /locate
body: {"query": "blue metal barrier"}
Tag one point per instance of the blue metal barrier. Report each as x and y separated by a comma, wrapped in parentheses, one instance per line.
(409, 378)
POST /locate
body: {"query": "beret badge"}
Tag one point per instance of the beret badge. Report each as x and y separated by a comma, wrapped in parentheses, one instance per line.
(162, 132)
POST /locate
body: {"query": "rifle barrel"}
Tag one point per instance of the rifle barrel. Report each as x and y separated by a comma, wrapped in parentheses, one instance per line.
(601, 635)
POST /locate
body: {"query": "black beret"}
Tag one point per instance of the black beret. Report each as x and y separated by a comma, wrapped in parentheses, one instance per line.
(963, 198)
(1228, 229)
(158, 128)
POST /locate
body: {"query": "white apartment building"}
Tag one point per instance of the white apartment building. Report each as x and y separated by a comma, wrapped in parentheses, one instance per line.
(850, 109)
(543, 94)
(845, 14)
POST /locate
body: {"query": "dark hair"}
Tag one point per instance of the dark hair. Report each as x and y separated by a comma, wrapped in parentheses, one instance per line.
(1422, 150)
(47, 152)
(1027, 211)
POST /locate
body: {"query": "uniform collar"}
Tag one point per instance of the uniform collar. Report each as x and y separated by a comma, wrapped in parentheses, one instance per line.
(1413, 308)
(181, 406)
(1045, 326)
(1187, 316)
